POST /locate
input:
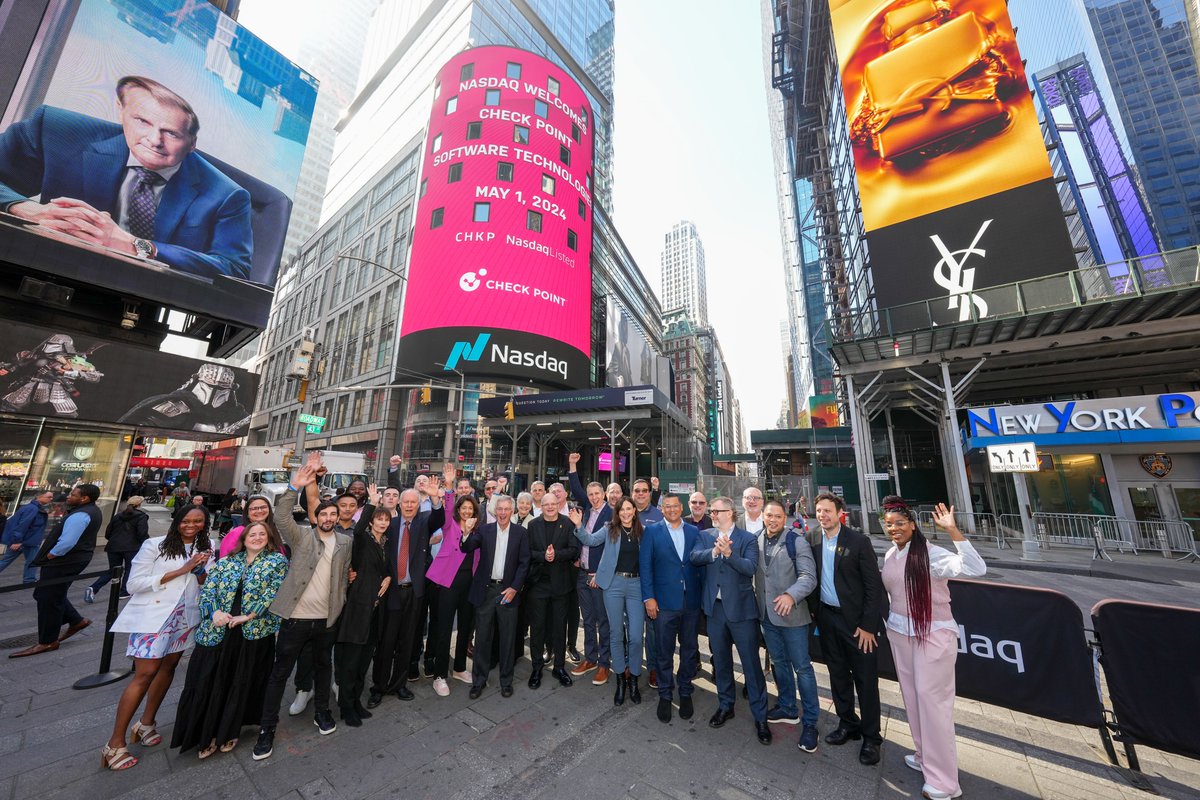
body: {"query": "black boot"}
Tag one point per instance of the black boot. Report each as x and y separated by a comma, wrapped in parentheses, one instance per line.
(350, 716)
(360, 709)
(635, 693)
(619, 696)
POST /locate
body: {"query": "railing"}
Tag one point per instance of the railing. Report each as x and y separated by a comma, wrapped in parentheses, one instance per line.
(1133, 278)
(1081, 530)
(1071, 530)
(1165, 536)
(972, 525)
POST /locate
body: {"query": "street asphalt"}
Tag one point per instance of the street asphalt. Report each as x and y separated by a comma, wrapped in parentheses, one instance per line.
(564, 742)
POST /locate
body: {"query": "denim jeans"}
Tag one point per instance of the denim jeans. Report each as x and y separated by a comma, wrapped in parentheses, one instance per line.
(27, 552)
(789, 653)
(623, 604)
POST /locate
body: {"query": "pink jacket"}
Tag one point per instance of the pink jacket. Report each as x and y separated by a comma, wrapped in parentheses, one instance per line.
(230, 541)
(446, 563)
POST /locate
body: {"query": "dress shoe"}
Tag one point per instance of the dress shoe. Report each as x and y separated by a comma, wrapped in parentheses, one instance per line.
(405, 693)
(685, 707)
(350, 717)
(373, 700)
(362, 712)
(583, 669)
(74, 629)
(722, 716)
(535, 679)
(573, 655)
(842, 735)
(664, 710)
(37, 649)
(635, 692)
(763, 729)
(475, 692)
(601, 676)
(506, 691)
(619, 695)
(652, 680)
(563, 677)
(869, 754)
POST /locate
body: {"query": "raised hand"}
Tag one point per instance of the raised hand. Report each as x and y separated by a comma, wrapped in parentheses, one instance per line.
(576, 515)
(374, 494)
(654, 483)
(448, 474)
(305, 475)
(573, 459)
(468, 525)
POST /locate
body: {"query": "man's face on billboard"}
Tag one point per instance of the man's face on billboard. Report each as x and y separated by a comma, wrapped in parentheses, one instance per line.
(155, 132)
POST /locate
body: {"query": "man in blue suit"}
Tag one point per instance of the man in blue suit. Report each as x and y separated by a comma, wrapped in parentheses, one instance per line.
(671, 590)
(597, 652)
(729, 556)
(137, 187)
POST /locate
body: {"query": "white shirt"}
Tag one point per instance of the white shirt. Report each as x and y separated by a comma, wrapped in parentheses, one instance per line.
(942, 564)
(501, 554)
(754, 525)
(721, 535)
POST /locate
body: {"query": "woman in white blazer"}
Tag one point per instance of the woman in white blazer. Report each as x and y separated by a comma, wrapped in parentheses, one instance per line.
(160, 619)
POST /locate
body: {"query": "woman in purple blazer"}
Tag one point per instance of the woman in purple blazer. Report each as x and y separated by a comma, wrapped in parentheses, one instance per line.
(451, 571)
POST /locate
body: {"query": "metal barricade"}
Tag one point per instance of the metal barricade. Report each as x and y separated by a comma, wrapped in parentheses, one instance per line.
(972, 525)
(1080, 530)
(1165, 536)
(1008, 530)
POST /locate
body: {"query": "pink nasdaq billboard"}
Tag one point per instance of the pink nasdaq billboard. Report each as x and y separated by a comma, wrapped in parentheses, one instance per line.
(500, 279)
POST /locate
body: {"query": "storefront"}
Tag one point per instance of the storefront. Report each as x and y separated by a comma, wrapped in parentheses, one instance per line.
(1134, 458)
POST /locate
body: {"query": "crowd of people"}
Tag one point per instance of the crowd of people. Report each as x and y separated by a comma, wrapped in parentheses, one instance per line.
(387, 585)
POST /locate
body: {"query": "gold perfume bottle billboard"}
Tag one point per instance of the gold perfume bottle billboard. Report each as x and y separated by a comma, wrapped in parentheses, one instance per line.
(939, 109)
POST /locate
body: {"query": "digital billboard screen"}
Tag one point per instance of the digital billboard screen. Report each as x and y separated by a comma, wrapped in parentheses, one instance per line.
(153, 147)
(500, 279)
(956, 187)
(604, 462)
(57, 373)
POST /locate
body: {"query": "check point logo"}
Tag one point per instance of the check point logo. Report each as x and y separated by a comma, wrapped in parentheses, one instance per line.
(469, 281)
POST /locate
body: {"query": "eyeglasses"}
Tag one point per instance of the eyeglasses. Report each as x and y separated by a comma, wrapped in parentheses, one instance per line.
(720, 511)
(640, 491)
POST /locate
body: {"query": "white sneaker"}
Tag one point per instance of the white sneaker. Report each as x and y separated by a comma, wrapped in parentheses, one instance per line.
(440, 687)
(912, 763)
(931, 793)
(300, 703)
(463, 676)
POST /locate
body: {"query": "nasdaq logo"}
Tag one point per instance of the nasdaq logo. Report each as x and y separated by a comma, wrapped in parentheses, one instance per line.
(467, 351)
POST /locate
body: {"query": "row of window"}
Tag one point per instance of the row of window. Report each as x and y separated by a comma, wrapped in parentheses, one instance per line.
(512, 71)
(361, 408)
(482, 212)
(504, 172)
(520, 136)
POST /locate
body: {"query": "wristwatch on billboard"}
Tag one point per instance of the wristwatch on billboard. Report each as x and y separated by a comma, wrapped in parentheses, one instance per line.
(143, 248)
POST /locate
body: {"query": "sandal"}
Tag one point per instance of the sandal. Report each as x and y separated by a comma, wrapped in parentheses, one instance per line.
(116, 758)
(228, 746)
(208, 751)
(147, 735)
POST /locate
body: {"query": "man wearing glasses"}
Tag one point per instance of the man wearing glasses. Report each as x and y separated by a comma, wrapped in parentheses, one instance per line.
(699, 508)
(729, 556)
(752, 504)
(649, 514)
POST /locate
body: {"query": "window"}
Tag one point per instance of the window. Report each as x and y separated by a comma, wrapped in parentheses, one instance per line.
(467, 72)
(474, 130)
(520, 134)
(359, 405)
(454, 174)
(564, 154)
(492, 97)
(452, 105)
(582, 209)
(552, 85)
(342, 406)
(437, 143)
(436, 218)
(513, 71)
(541, 109)
(385, 344)
(483, 212)
(376, 405)
(575, 132)
(504, 171)
(533, 221)
(424, 186)
(572, 239)
(547, 184)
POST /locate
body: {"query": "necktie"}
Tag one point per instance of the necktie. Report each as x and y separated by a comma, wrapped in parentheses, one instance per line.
(402, 558)
(142, 203)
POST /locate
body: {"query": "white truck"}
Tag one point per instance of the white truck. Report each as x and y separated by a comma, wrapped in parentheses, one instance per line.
(254, 470)
(342, 470)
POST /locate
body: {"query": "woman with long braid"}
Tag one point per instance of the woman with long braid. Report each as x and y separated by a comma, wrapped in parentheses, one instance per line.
(924, 636)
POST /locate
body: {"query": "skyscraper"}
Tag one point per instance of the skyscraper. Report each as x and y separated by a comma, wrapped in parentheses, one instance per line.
(684, 277)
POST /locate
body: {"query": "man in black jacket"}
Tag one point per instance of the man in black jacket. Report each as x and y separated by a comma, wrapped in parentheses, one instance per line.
(125, 534)
(552, 549)
(848, 610)
(64, 554)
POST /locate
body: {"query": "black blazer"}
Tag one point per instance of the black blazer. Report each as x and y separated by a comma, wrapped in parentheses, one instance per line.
(856, 579)
(369, 561)
(552, 578)
(516, 560)
(422, 526)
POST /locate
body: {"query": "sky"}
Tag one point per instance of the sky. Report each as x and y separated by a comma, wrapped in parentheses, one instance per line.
(691, 142)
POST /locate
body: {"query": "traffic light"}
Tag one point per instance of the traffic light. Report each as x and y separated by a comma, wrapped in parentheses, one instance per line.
(426, 395)
(509, 413)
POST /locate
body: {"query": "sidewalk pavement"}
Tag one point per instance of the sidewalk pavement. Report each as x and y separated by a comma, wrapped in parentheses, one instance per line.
(551, 743)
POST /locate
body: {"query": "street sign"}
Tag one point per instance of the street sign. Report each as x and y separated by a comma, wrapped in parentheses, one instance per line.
(314, 428)
(1014, 457)
(681, 488)
(309, 419)
(877, 476)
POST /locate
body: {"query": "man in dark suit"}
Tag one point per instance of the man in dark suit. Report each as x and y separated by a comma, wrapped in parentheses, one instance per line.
(671, 590)
(729, 556)
(137, 187)
(503, 549)
(848, 612)
(552, 548)
(595, 513)
(408, 557)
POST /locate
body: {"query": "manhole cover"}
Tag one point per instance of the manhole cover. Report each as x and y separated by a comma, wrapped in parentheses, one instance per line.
(24, 640)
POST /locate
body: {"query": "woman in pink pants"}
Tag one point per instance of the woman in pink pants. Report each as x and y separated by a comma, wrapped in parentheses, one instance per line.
(924, 636)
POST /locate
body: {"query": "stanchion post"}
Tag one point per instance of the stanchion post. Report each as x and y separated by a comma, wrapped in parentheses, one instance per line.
(107, 675)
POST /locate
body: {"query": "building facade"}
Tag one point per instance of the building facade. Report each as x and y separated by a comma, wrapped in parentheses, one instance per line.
(684, 275)
(681, 341)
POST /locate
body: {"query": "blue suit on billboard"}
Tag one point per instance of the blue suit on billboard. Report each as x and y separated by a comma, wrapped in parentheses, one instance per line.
(203, 222)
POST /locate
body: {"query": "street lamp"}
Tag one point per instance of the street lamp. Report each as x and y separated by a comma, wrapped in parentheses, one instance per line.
(462, 389)
(399, 275)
